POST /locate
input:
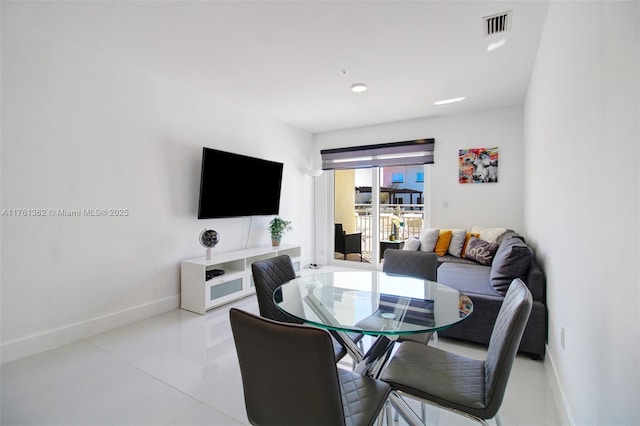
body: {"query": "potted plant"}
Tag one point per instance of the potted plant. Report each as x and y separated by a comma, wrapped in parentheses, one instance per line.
(396, 220)
(278, 227)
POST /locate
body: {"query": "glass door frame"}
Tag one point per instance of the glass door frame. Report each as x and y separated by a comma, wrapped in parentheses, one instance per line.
(375, 219)
(331, 216)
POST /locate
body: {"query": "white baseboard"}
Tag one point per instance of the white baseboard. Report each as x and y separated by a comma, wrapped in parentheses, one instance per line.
(559, 397)
(51, 339)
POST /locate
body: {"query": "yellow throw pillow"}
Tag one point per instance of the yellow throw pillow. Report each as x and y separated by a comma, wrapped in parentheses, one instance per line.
(466, 241)
(443, 242)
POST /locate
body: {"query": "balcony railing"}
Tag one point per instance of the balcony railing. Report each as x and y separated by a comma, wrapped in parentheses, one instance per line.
(411, 215)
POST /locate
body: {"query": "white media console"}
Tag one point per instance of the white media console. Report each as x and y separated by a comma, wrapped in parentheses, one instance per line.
(199, 294)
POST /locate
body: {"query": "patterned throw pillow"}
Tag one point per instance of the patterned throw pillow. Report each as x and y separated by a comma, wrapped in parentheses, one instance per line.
(467, 237)
(481, 251)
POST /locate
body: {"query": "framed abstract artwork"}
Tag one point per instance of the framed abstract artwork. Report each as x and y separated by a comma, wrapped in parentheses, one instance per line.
(478, 165)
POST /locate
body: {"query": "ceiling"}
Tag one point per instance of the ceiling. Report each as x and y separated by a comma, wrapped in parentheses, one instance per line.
(296, 60)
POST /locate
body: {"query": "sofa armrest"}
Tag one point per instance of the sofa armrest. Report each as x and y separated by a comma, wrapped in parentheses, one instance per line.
(536, 282)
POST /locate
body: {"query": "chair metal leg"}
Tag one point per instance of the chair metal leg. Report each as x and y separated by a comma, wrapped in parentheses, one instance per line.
(388, 412)
(404, 410)
(411, 417)
(361, 346)
(423, 413)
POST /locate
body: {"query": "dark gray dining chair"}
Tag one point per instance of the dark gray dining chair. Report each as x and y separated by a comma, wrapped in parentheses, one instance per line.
(417, 264)
(470, 387)
(269, 274)
(289, 376)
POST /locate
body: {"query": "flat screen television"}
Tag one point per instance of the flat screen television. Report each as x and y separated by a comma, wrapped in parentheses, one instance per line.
(224, 193)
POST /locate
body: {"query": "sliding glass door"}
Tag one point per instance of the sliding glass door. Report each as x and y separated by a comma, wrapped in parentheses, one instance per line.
(401, 211)
(375, 209)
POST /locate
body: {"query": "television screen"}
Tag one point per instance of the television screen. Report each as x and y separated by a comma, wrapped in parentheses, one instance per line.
(223, 192)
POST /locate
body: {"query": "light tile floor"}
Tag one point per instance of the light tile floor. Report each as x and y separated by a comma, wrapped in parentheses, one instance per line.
(180, 368)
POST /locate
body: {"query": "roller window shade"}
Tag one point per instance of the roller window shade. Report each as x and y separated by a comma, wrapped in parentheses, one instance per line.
(408, 153)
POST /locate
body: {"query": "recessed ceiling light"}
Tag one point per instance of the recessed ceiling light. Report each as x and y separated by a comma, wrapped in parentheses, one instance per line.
(450, 101)
(358, 87)
(497, 45)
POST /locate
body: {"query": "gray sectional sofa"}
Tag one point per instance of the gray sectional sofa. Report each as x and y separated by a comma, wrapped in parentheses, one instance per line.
(482, 263)
(486, 285)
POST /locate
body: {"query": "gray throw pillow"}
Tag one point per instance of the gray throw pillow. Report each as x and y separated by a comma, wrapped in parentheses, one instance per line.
(512, 260)
(412, 243)
(428, 239)
(510, 234)
(481, 251)
(457, 242)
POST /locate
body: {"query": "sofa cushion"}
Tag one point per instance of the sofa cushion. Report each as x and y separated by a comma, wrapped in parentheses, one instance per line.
(453, 259)
(481, 251)
(428, 239)
(469, 279)
(510, 234)
(512, 260)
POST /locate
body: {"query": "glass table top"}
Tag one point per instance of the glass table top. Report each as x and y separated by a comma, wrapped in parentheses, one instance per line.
(372, 302)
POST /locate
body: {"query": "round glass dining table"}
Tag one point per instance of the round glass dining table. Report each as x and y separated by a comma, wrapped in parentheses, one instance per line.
(372, 303)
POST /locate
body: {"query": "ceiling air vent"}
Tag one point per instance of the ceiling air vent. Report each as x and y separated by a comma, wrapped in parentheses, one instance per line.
(497, 23)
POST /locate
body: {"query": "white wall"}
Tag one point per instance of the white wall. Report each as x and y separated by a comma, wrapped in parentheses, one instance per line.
(491, 204)
(82, 131)
(582, 186)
